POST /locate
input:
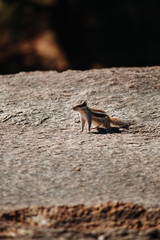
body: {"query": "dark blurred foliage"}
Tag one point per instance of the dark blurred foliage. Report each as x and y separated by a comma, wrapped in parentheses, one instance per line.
(78, 34)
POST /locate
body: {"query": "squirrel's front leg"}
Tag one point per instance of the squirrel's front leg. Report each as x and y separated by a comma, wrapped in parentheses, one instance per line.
(82, 124)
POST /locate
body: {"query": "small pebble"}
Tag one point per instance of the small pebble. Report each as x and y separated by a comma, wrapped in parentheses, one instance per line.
(78, 169)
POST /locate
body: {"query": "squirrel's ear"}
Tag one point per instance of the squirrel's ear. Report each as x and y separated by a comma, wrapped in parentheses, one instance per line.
(85, 104)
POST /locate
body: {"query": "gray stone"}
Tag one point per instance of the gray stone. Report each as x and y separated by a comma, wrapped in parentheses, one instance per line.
(41, 145)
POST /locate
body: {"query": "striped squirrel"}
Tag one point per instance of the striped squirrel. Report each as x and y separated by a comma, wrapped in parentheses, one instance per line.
(99, 118)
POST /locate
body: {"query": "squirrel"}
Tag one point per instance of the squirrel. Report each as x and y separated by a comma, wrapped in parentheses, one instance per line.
(99, 118)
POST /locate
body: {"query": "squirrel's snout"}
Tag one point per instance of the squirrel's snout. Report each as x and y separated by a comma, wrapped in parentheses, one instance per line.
(74, 108)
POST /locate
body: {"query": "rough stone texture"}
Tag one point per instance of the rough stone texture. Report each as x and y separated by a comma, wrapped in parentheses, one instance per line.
(46, 161)
(104, 221)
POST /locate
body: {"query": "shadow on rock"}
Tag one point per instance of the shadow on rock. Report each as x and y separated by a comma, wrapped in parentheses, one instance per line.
(106, 131)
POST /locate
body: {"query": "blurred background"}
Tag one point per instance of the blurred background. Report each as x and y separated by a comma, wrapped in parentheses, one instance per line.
(78, 34)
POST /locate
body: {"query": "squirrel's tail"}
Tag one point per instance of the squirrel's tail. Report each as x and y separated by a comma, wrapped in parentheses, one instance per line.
(118, 123)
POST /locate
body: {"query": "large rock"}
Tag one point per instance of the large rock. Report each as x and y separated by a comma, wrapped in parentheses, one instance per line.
(45, 160)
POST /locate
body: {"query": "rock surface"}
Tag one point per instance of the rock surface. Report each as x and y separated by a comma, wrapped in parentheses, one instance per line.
(104, 221)
(46, 161)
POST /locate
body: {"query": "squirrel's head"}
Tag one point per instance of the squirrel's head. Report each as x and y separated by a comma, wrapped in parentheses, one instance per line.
(79, 106)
